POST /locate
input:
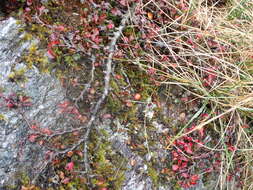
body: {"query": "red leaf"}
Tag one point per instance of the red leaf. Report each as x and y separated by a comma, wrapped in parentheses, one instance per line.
(41, 142)
(102, 17)
(110, 25)
(229, 178)
(48, 154)
(151, 71)
(175, 155)
(188, 138)
(188, 148)
(74, 111)
(123, 2)
(29, 2)
(34, 127)
(183, 165)
(231, 148)
(79, 153)
(194, 179)
(64, 104)
(179, 142)
(65, 180)
(50, 50)
(69, 166)
(51, 54)
(205, 115)
(107, 116)
(201, 132)
(46, 131)
(185, 175)
(184, 184)
(175, 167)
(41, 10)
(24, 99)
(116, 12)
(53, 43)
(95, 18)
(97, 40)
(183, 158)
(95, 33)
(245, 126)
(10, 105)
(60, 28)
(193, 182)
(32, 137)
(208, 170)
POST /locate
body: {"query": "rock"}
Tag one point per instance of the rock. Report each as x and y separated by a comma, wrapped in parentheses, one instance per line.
(17, 154)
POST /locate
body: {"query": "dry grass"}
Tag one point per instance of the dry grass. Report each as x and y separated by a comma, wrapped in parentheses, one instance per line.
(213, 59)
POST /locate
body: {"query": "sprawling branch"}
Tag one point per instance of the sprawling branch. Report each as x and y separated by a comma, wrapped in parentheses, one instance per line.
(88, 127)
(108, 71)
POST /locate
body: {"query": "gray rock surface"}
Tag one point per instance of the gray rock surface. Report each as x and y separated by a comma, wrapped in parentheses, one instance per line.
(16, 152)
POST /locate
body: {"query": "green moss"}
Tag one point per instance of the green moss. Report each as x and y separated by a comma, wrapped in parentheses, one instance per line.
(141, 82)
(119, 180)
(106, 164)
(113, 104)
(154, 175)
(116, 19)
(130, 114)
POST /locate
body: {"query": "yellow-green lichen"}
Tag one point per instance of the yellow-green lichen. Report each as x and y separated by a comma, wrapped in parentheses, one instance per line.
(17, 75)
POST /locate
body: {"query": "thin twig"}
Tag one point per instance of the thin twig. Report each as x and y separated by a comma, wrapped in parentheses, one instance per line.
(88, 85)
(107, 77)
